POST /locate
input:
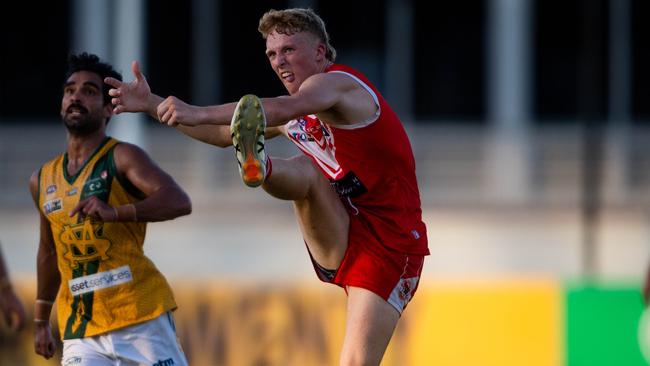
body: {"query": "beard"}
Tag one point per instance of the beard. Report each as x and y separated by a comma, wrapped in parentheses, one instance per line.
(84, 124)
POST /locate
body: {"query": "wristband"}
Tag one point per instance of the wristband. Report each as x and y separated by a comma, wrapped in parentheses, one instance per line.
(127, 213)
(42, 309)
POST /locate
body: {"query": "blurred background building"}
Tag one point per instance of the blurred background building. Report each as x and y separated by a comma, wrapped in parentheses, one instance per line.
(530, 123)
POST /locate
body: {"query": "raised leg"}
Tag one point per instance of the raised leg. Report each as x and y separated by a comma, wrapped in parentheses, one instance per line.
(324, 223)
(323, 220)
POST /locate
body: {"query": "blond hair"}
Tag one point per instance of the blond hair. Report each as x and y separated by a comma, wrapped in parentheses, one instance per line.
(296, 20)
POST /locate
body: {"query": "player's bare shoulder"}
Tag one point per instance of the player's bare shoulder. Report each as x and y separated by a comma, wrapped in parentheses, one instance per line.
(128, 156)
(351, 101)
(125, 150)
(336, 81)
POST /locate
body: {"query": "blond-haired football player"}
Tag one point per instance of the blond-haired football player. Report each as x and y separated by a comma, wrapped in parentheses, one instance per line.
(354, 189)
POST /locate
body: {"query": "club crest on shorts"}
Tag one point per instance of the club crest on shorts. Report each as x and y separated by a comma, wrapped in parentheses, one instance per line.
(403, 292)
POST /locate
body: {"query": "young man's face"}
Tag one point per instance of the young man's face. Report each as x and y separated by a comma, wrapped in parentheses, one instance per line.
(82, 106)
(294, 57)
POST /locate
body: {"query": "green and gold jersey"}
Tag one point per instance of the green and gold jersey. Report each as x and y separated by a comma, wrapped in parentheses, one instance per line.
(106, 280)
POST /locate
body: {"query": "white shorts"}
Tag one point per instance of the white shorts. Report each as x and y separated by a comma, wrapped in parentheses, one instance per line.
(152, 343)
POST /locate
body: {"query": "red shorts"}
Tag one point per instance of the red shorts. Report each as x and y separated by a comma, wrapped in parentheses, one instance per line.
(370, 265)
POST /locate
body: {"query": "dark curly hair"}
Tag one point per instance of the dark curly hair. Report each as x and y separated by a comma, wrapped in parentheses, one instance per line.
(89, 62)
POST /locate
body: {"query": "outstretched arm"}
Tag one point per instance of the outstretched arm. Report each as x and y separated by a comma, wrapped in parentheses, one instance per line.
(330, 93)
(337, 99)
(136, 96)
(219, 135)
(206, 124)
(319, 93)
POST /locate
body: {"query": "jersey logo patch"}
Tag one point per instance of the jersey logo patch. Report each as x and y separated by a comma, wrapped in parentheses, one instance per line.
(349, 186)
(96, 186)
(84, 243)
(314, 131)
(99, 281)
(50, 189)
(317, 141)
(52, 206)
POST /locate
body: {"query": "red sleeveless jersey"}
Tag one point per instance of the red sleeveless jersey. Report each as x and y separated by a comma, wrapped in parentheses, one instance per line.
(370, 164)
